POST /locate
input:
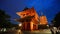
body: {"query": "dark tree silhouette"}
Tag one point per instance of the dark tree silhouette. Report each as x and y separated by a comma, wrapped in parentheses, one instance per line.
(4, 19)
(56, 20)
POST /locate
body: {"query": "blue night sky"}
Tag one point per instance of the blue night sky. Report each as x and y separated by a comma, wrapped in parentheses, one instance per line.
(49, 7)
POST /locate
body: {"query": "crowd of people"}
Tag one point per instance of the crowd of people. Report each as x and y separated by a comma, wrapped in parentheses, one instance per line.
(55, 30)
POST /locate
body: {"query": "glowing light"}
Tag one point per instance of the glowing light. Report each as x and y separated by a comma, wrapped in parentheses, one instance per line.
(47, 25)
(20, 24)
(43, 20)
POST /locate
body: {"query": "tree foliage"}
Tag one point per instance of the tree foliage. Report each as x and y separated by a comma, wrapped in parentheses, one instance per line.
(4, 19)
(56, 20)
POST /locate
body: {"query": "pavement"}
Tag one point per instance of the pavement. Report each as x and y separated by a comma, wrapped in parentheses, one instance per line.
(46, 31)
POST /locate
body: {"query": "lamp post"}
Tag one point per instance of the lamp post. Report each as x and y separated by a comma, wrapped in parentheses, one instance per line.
(20, 25)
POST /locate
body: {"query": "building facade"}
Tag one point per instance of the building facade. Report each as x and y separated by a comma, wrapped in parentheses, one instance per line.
(33, 23)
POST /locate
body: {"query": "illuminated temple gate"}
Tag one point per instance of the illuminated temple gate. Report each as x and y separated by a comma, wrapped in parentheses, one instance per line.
(29, 19)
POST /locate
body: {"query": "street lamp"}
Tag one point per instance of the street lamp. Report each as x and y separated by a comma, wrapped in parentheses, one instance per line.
(20, 25)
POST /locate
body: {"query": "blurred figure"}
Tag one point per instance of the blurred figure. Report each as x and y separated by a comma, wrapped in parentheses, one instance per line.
(51, 30)
(58, 30)
(19, 31)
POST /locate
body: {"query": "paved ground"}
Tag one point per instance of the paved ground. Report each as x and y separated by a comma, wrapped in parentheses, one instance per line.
(27, 32)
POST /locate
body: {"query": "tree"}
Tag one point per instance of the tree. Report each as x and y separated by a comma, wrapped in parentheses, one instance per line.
(4, 19)
(56, 20)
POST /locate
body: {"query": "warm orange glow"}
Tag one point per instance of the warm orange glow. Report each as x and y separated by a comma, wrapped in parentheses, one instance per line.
(28, 12)
(43, 20)
(33, 24)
